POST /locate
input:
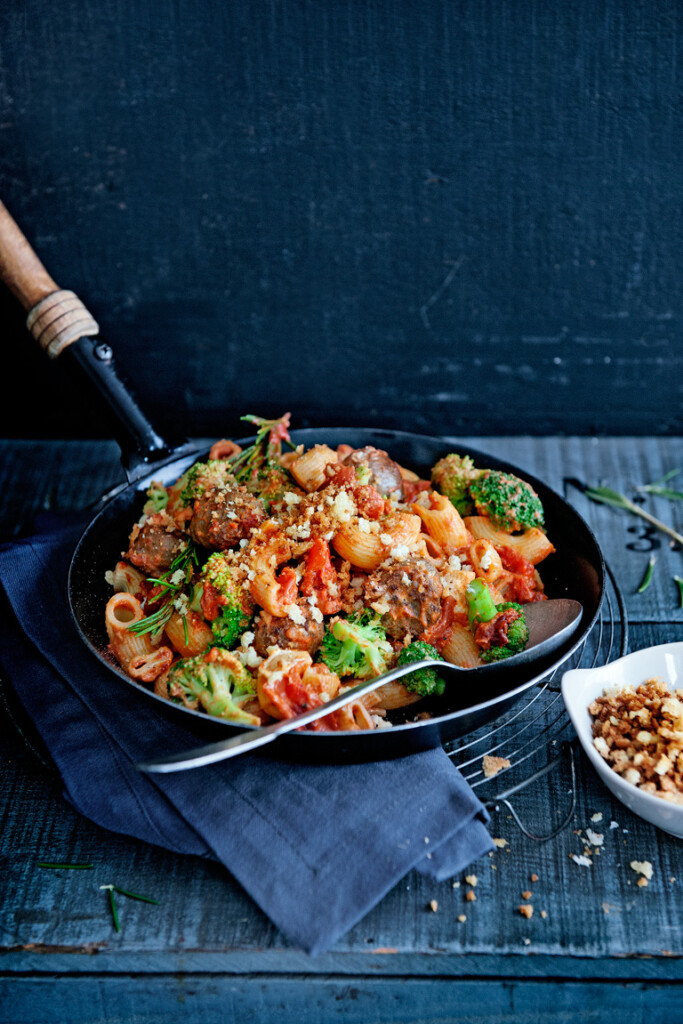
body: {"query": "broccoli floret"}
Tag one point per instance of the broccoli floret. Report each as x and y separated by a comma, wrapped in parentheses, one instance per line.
(482, 608)
(201, 476)
(356, 646)
(510, 502)
(157, 498)
(235, 615)
(453, 476)
(424, 681)
(216, 681)
(518, 634)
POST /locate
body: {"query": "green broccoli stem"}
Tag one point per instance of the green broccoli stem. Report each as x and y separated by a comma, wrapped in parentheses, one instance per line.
(481, 607)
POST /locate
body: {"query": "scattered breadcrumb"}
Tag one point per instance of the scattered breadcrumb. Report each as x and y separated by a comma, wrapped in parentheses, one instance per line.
(526, 910)
(614, 824)
(500, 843)
(597, 816)
(470, 896)
(544, 913)
(471, 880)
(462, 918)
(492, 765)
(534, 878)
(584, 862)
(434, 905)
(672, 879)
(456, 885)
(594, 838)
(527, 942)
(527, 894)
(642, 882)
(642, 867)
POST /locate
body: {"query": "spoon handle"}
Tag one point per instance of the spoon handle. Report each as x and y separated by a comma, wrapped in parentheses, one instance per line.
(253, 738)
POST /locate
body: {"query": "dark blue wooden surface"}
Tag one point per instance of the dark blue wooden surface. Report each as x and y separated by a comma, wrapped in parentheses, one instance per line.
(208, 953)
(434, 215)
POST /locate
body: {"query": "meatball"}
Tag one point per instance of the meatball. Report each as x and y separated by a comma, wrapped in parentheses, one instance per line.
(408, 596)
(154, 544)
(223, 516)
(281, 631)
(385, 474)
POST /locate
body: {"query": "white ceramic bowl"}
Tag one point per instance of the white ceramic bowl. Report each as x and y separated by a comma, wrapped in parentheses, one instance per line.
(581, 686)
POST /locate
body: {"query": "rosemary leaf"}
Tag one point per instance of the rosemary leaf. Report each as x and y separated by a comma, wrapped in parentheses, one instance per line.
(662, 492)
(66, 867)
(607, 496)
(135, 895)
(667, 476)
(679, 581)
(114, 908)
(647, 578)
(152, 623)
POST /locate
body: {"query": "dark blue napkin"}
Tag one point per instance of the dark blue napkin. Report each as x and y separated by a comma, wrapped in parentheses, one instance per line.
(315, 846)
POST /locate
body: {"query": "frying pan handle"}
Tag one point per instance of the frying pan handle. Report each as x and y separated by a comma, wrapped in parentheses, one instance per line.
(62, 325)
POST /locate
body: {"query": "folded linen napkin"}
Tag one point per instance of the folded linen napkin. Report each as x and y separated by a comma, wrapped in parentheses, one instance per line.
(316, 846)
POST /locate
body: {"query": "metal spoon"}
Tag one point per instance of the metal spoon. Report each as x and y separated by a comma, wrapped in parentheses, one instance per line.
(550, 623)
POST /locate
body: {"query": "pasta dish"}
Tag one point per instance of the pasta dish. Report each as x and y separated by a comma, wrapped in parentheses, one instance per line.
(269, 579)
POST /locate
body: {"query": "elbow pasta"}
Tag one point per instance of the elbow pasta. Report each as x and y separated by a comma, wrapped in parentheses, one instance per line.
(243, 580)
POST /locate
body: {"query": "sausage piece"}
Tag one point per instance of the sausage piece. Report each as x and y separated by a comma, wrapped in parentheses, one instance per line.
(385, 474)
(155, 544)
(223, 516)
(281, 631)
(408, 595)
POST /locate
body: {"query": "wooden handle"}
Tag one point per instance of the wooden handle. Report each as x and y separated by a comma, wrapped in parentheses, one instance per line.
(20, 268)
(55, 318)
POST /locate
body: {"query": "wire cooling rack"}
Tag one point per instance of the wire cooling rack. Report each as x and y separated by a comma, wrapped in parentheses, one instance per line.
(537, 737)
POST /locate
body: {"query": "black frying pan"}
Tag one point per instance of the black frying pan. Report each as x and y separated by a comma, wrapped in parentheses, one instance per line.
(576, 570)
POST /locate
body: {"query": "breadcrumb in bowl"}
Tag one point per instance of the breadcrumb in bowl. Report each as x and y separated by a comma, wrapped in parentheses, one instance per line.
(631, 731)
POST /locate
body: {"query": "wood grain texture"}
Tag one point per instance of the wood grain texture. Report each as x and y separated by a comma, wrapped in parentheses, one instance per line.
(476, 206)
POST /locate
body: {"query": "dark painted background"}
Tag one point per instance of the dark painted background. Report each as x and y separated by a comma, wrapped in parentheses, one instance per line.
(446, 216)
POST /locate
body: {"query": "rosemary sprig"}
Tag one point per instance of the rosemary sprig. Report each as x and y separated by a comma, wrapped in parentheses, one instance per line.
(111, 889)
(112, 905)
(65, 867)
(157, 621)
(265, 449)
(647, 578)
(607, 496)
(679, 581)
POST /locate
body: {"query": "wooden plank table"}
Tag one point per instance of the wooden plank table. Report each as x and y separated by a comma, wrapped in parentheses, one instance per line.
(207, 953)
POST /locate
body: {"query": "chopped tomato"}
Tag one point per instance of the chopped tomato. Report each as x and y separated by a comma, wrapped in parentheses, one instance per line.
(287, 587)
(513, 561)
(342, 476)
(369, 501)
(320, 577)
(211, 602)
(494, 633)
(438, 634)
